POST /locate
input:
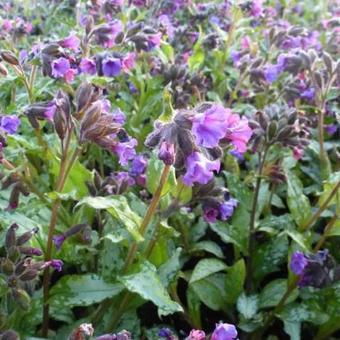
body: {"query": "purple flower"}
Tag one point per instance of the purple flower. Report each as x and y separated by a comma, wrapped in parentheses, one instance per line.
(138, 3)
(271, 72)
(119, 116)
(196, 334)
(57, 265)
(111, 67)
(298, 263)
(154, 40)
(138, 166)
(210, 126)
(256, 8)
(199, 169)
(224, 331)
(123, 180)
(126, 151)
(60, 67)
(59, 240)
(165, 333)
(331, 129)
(308, 94)
(167, 153)
(50, 111)
(88, 66)
(9, 124)
(23, 55)
(210, 215)
(227, 208)
(72, 42)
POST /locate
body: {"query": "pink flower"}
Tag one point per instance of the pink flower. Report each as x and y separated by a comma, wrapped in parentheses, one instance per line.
(7, 25)
(297, 153)
(69, 75)
(210, 126)
(128, 62)
(72, 42)
(238, 132)
(245, 42)
(196, 334)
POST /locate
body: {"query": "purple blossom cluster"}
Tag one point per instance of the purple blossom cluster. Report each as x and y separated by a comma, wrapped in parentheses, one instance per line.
(314, 270)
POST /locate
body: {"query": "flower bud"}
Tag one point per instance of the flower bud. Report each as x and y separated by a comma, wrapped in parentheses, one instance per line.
(167, 153)
(9, 57)
(30, 251)
(90, 119)
(7, 266)
(21, 297)
(3, 70)
(25, 237)
(10, 236)
(29, 275)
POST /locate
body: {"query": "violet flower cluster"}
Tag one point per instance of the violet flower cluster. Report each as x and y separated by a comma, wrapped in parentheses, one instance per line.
(193, 142)
(314, 270)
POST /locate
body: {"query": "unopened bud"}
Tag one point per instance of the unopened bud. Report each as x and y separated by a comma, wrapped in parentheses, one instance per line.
(29, 275)
(30, 251)
(21, 297)
(167, 153)
(10, 236)
(7, 266)
(9, 57)
(3, 70)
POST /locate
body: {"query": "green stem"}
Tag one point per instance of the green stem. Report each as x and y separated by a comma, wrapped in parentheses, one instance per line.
(322, 207)
(251, 241)
(64, 170)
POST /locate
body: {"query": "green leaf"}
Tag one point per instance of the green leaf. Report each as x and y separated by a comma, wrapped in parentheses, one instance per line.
(147, 284)
(237, 231)
(299, 238)
(194, 307)
(76, 178)
(297, 201)
(211, 291)
(273, 292)
(248, 305)
(182, 192)
(168, 271)
(119, 208)
(235, 280)
(293, 329)
(209, 247)
(206, 267)
(329, 185)
(269, 256)
(82, 290)
(153, 176)
(197, 58)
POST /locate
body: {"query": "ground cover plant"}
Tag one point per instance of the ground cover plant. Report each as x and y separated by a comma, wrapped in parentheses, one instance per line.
(169, 169)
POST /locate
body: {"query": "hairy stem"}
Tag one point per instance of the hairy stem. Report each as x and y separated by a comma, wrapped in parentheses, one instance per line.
(64, 170)
(251, 241)
(148, 216)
